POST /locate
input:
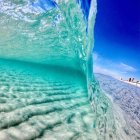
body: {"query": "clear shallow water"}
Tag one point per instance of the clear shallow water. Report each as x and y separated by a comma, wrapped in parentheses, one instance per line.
(37, 102)
(53, 93)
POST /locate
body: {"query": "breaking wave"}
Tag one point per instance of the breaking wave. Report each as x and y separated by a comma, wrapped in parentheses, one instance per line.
(47, 87)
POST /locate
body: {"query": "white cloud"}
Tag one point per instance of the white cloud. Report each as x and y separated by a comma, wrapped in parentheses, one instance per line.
(112, 68)
(98, 69)
(127, 67)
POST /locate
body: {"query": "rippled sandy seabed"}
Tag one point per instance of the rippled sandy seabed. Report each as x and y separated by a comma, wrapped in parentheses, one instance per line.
(36, 105)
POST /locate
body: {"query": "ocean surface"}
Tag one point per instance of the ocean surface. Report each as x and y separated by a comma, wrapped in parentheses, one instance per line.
(47, 87)
(126, 101)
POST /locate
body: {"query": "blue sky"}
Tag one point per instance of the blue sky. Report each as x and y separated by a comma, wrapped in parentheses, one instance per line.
(117, 38)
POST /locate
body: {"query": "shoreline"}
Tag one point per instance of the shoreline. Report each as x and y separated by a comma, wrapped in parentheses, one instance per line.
(131, 83)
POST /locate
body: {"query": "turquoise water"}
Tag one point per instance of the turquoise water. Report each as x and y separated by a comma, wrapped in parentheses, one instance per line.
(43, 102)
(47, 86)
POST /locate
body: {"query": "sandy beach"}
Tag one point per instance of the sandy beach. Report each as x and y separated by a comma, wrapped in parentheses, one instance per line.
(132, 83)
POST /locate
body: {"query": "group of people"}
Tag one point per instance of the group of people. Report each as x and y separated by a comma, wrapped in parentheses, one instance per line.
(131, 80)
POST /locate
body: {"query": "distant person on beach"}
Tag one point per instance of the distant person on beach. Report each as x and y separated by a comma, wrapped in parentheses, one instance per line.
(132, 79)
(137, 82)
(129, 79)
